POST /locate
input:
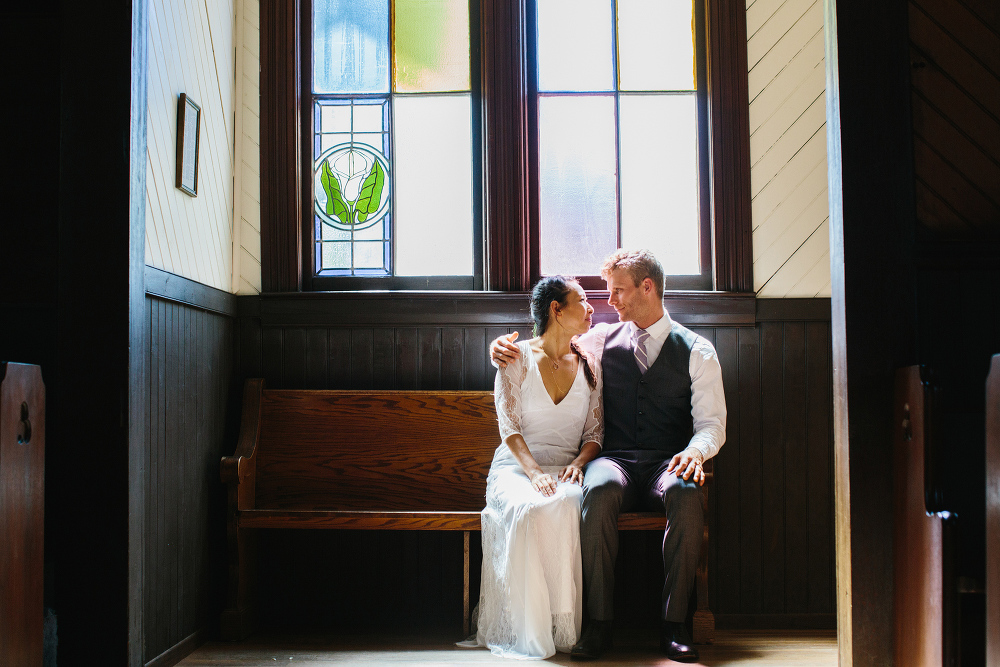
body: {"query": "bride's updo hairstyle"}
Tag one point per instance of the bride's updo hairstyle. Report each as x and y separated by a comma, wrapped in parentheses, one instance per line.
(545, 291)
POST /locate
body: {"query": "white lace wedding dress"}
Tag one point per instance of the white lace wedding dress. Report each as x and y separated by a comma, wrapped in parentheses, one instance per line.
(531, 600)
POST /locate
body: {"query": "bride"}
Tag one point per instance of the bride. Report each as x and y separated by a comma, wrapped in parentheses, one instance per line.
(548, 403)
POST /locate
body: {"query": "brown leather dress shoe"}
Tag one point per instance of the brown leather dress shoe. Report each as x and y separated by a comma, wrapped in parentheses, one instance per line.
(676, 644)
(595, 641)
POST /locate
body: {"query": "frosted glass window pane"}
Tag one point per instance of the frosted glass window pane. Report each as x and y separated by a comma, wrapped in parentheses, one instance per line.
(336, 121)
(335, 118)
(576, 137)
(368, 117)
(659, 179)
(369, 255)
(328, 141)
(331, 233)
(655, 45)
(351, 46)
(574, 45)
(431, 46)
(373, 233)
(336, 256)
(433, 196)
(373, 140)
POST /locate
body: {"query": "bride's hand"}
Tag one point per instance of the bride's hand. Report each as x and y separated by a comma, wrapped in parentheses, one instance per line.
(543, 483)
(571, 473)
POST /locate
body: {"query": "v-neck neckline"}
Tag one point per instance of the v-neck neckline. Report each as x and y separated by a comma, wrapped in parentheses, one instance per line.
(538, 371)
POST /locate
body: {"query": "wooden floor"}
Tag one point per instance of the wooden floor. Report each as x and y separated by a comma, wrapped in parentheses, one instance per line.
(786, 648)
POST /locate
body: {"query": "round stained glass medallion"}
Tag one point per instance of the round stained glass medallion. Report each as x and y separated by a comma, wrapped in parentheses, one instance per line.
(351, 187)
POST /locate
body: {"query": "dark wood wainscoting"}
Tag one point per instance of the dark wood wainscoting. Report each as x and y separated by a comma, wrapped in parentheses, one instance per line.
(772, 549)
(190, 395)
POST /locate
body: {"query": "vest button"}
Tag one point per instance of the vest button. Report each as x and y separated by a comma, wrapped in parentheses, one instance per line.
(640, 412)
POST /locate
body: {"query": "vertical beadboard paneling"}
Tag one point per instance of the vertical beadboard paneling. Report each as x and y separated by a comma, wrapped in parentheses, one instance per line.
(788, 147)
(190, 354)
(770, 506)
(246, 233)
(191, 51)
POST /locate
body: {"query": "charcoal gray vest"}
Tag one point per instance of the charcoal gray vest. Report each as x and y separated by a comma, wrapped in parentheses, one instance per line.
(651, 411)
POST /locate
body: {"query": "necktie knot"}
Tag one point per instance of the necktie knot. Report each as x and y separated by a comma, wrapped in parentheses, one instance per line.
(639, 338)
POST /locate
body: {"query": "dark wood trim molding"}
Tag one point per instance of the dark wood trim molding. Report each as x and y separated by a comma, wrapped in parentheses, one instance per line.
(353, 309)
(691, 308)
(171, 287)
(507, 217)
(280, 151)
(729, 119)
(793, 310)
(178, 651)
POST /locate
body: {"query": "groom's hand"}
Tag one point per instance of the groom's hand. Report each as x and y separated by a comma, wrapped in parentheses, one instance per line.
(572, 474)
(503, 350)
(688, 465)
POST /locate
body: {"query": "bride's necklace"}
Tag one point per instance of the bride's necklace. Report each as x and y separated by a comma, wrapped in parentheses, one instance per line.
(554, 365)
(554, 362)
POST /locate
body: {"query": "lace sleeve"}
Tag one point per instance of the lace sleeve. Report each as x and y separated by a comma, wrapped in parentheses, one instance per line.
(593, 428)
(507, 395)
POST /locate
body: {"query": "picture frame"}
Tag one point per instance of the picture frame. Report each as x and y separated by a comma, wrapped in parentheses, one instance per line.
(188, 136)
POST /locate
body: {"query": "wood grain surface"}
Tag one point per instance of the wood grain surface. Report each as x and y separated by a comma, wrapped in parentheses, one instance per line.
(388, 451)
(22, 503)
(924, 580)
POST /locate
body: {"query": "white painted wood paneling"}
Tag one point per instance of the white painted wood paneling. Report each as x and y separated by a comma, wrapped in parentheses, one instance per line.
(246, 236)
(192, 51)
(791, 245)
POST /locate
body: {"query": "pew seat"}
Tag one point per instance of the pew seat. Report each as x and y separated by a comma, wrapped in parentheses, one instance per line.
(368, 460)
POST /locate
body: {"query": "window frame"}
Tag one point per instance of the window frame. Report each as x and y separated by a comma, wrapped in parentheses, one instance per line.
(695, 282)
(506, 211)
(312, 282)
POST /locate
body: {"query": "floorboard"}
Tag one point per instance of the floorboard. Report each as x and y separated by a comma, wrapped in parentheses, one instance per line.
(744, 648)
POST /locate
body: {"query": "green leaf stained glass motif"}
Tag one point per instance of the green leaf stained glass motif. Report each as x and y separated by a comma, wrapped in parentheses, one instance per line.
(371, 193)
(335, 204)
(351, 192)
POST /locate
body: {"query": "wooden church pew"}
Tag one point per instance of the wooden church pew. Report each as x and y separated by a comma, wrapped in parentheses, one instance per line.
(22, 502)
(924, 542)
(370, 460)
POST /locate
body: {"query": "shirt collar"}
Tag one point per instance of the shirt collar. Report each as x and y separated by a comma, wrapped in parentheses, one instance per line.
(658, 329)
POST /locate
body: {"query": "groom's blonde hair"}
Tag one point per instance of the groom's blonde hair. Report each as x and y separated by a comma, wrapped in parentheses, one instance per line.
(640, 264)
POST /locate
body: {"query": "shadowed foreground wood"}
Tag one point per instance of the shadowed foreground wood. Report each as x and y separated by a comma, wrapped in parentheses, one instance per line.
(923, 541)
(22, 512)
(369, 460)
(993, 513)
(747, 648)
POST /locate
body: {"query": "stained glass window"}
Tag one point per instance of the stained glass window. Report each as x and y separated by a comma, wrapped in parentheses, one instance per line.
(392, 139)
(618, 133)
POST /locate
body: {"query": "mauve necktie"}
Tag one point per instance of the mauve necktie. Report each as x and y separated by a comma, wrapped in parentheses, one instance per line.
(639, 340)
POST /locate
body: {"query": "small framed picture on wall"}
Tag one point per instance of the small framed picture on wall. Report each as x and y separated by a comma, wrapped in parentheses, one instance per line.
(188, 133)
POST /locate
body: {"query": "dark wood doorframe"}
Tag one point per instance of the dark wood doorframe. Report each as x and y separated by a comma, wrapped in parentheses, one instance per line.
(873, 301)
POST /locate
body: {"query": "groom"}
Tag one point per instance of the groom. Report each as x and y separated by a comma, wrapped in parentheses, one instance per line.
(664, 416)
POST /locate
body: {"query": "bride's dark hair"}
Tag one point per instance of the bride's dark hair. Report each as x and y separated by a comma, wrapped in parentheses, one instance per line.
(545, 291)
